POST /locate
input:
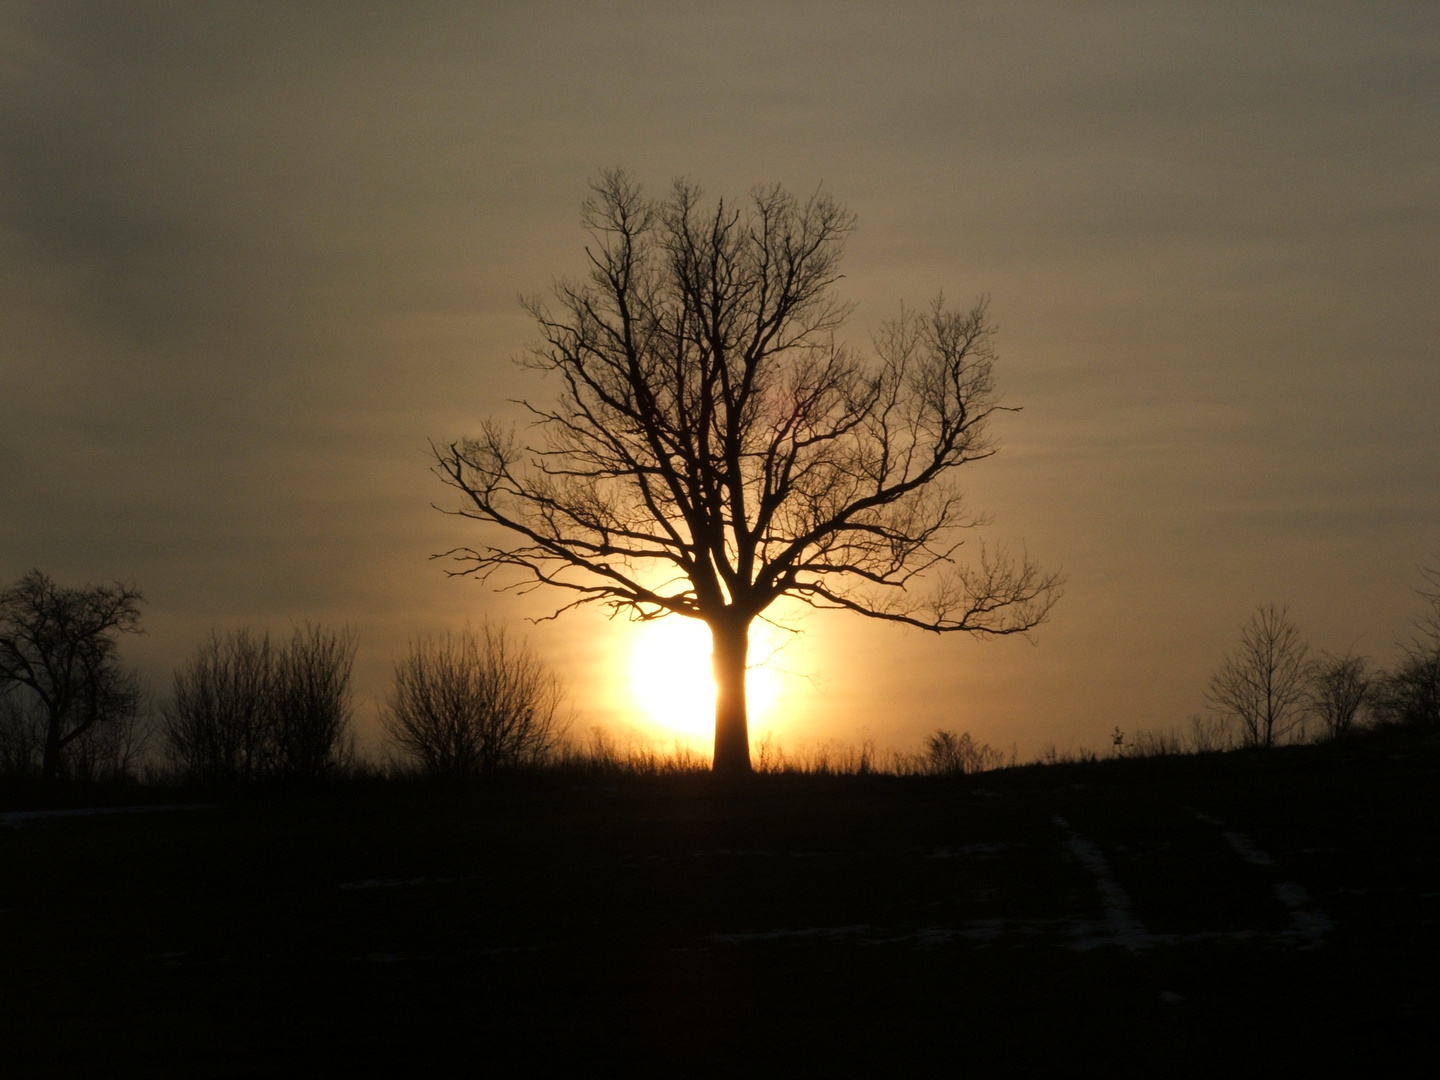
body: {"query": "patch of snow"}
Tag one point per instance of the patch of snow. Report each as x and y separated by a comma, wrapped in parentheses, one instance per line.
(1307, 922)
(1246, 849)
(1125, 927)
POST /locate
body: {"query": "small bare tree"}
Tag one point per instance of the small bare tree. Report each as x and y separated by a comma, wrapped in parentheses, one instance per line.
(468, 704)
(214, 724)
(59, 647)
(714, 446)
(1261, 686)
(309, 731)
(245, 710)
(1410, 694)
(1339, 687)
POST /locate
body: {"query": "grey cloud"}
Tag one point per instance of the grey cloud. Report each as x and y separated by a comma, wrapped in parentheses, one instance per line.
(253, 256)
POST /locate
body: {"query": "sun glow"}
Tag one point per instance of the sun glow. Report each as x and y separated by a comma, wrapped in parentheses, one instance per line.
(672, 682)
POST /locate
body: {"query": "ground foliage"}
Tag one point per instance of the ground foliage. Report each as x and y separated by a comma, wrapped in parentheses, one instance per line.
(1273, 908)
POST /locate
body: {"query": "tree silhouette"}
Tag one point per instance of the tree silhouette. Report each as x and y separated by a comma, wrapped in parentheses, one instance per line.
(246, 709)
(60, 645)
(467, 704)
(1340, 687)
(1411, 693)
(1262, 684)
(714, 447)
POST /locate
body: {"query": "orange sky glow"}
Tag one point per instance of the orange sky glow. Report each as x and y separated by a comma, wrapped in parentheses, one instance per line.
(254, 257)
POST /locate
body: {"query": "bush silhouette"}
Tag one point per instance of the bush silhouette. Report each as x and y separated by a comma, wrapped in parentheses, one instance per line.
(246, 710)
(468, 704)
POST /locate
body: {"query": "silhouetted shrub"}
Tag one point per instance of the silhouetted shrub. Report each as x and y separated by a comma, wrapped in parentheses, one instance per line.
(246, 710)
(310, 731)
(214, 726)
(1210, 734)
(468, 704)
(1339, 688)
(1410, 694)
(948, 754)
(1147, 744)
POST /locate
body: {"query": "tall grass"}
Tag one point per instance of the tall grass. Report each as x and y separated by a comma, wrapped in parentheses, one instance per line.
(608, 753)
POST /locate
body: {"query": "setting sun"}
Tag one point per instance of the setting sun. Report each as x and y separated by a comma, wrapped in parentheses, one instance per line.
(672, 683)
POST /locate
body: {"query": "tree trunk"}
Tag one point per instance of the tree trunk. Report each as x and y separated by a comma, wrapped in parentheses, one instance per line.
(731, 642)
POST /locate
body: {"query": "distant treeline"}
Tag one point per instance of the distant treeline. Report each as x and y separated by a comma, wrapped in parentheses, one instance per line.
(1274, 689)
(248, 710)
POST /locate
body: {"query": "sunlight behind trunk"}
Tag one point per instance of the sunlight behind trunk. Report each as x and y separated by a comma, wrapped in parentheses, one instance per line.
(673, 687)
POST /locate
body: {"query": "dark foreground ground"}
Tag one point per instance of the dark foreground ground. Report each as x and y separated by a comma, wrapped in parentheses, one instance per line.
(1248, 914)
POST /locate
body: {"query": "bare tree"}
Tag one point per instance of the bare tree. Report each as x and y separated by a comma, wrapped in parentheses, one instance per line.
(468, 704)
(1339, 687)
(59, 646)
(245, 710)
(310, 732)
(214, 724)
(1262, 684)
(1410, 694)
(714, 447)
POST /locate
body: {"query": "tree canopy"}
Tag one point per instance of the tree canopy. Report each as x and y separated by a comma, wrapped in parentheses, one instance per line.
(715, 446)
(60, 644)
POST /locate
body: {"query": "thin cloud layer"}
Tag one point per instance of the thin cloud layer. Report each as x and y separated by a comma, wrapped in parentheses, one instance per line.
(253, 258)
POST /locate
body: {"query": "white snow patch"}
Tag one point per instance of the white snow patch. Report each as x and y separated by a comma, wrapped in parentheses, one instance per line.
(1124, 926)
(1307, 922)
(1246, 849)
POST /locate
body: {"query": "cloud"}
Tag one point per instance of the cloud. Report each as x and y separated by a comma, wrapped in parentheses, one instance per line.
(253, 257)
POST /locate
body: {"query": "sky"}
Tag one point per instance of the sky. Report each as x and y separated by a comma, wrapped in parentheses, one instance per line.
(253, 258)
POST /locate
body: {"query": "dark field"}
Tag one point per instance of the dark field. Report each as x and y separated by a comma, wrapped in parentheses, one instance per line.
(1257, 913)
